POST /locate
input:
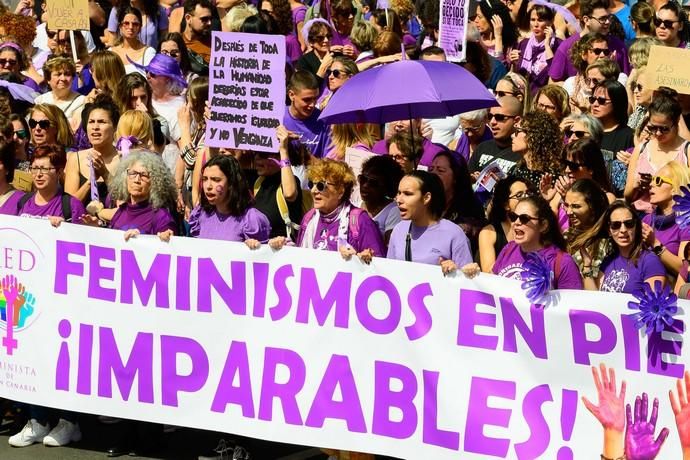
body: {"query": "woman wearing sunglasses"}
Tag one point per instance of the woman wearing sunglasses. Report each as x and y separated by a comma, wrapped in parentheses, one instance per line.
(539, 143)
(423, 235)
(13, 61)
(641, 96)
(226, 211)
(584, 204)
(378, 185)
(49, 125)
(334, 224)
(9, 197)
(514, 84)
(498, 233)
(659, 228)
(21, 141)
(128, 45)
(587, 50)
(665, 146)
(629, 265)
(552, 99)
(340, 71)
(581, 126)
(535, 229)
(671, 25)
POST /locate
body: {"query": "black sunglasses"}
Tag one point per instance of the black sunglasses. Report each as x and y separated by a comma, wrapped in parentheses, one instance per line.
(320, 185)
(4, 62)
(504, 93)
(600, 100)
(336, 73)
(668, 24)
(523, 218)
(573, 166)
(373, 181)
(653, 129)
(578, 134)
(500, 117)
(604, 51)
(44, 124)
(616, 224)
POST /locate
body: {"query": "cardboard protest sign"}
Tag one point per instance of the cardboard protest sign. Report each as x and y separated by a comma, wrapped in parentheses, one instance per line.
(68, 14)
(670, 67)
(301, 346)
(22, 181)
(247, 91)
(452, 27)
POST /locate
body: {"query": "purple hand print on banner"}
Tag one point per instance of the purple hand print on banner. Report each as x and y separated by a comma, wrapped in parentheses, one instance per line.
(611, 410)
(639, 434)
(11, 288)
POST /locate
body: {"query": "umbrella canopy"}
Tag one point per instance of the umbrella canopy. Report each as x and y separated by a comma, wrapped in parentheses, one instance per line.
(405, 90)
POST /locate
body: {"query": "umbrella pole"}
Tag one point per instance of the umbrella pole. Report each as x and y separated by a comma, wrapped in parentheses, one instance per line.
(409, 114)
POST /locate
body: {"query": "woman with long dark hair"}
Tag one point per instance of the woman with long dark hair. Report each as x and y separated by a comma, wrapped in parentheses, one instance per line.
(129, 46)
(497, 30)
(154, 21)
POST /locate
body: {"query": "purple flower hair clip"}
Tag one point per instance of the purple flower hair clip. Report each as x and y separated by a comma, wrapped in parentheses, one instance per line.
(537, 277)
(656, 308)
(682, 207)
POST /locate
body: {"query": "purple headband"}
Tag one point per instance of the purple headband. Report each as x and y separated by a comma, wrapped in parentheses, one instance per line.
(12, 45)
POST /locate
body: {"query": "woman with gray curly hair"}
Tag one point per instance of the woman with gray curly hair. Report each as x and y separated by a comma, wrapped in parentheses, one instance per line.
(145, 187)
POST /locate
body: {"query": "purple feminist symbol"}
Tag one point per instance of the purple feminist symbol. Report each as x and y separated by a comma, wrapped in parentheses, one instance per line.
(656, 307)
(12, 289)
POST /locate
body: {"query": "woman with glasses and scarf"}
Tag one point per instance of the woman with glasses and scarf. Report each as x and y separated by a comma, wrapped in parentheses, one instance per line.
(318, 34)
(534, 229)
(665, 146)
(498, 232)
(659, 229)
(424, 236)
(630, 264)
(334, 224)
(13, 61)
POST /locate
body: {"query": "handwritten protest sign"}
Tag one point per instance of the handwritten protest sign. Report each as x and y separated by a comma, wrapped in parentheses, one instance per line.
(670, 67)
(300, 346)
(452, 26)
(68, 14)
(247, 92)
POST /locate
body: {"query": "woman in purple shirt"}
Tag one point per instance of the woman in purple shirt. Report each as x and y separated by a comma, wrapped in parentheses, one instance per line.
(535, 229)
(9, 197)
(144, 186)
(423, 236)
(334, 224)
(630, 264)
(226, 211)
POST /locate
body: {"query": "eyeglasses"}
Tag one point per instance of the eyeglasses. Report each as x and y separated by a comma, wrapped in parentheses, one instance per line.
(616, 225)
(654, 129)
(372, 181)
(603, 19)
(132, 24)
(337, 73)
(43, 124)
(21, 134)
(519, 195)
(474, 129)
(10, 62)
(592, 81)
(320, 38)
(599, 100)
(523, 218)
(398, 158)
(500, 117)
(546, 107)
(637, 87)
(36, 170)
(141, 175)
(173, 54)
(504, 93)
(599, 51)
(667, 23)
(573, 166)
(320, 185)
(578, 134)
(658, 181)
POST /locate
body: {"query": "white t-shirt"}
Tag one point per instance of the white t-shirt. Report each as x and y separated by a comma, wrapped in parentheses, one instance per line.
(41, 40)
(445, 129)
(168, 110)
(71, 108)
(149, 54)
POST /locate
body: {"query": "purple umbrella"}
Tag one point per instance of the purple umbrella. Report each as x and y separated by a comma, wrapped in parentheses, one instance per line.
(405, 90)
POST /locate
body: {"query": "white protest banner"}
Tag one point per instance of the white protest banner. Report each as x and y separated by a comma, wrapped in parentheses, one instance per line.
(300, 346)
(247, 91)
(68, 14)
(452, 27)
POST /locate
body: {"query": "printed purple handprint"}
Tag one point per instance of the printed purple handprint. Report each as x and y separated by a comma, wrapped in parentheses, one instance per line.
(610, 410)
(639, 433)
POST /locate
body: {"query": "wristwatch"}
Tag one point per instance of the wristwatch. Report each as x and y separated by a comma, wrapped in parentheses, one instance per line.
(658, 249)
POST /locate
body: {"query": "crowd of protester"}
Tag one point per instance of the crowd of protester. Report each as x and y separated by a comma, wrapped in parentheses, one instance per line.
(108, 125)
